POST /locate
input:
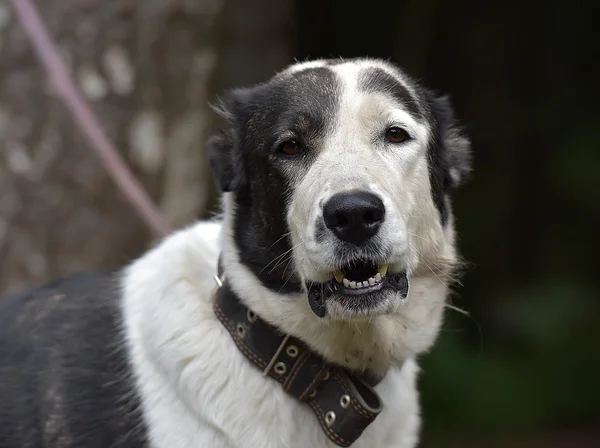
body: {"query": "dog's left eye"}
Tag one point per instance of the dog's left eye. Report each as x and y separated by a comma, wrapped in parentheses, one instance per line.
(290, 148)
(396, 135)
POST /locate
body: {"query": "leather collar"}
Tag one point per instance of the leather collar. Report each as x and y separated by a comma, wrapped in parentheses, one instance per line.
(343, 402)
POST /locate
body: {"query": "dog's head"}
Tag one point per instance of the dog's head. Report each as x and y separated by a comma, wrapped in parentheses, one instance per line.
(338, 176)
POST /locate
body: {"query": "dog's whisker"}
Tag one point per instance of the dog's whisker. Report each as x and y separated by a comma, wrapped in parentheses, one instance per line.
(286, 267)
(286, 281)
(457, 309)
(281, 261)
(357, 329)
(278, 258)
(422, 259)
(427, 240)
(278, 240)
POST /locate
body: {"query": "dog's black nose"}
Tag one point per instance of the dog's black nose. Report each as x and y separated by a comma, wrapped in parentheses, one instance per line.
(354, 216)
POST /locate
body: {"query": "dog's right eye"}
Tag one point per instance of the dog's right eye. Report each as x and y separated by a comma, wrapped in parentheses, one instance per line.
(396, 135)
(290, 148)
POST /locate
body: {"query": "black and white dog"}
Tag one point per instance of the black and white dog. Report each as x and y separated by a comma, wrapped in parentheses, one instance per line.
(337, 234)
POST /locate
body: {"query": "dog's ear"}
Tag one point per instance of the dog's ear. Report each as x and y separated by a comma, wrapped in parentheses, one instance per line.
(225, 160)
(224, 151)
(456, 146)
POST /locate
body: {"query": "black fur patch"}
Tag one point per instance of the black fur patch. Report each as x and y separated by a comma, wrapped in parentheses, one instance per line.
(372, 80)
(64, 376)
(302, 106)
(448, 152)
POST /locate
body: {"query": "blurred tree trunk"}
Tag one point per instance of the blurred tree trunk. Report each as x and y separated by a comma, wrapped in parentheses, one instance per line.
(257, 41)
(147, 68)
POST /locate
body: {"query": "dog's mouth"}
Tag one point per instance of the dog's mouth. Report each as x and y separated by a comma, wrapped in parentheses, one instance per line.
(360, 275)
(357, 287)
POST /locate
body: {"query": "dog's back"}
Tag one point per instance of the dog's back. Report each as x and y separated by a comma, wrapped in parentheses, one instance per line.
(64, 378)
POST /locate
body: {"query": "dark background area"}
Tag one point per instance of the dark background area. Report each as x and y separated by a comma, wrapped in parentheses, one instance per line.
(523, 369)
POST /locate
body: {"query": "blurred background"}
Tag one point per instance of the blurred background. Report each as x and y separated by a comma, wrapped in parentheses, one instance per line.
(523, 370)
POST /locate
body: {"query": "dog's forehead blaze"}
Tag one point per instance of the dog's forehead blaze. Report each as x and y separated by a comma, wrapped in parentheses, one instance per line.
(337, 79)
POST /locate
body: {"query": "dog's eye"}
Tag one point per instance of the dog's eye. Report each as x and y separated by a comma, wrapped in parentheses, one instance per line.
(290, 148)
(396, 135)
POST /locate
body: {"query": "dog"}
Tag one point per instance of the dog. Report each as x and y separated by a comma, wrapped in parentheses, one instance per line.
(295, 318)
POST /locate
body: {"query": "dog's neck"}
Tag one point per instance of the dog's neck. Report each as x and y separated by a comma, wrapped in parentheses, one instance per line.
(374, 344)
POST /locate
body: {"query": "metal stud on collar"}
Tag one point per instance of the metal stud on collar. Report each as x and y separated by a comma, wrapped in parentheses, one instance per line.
(292, 351)
(330, 418)
(345, 401)
(241, 330)
(280, 368)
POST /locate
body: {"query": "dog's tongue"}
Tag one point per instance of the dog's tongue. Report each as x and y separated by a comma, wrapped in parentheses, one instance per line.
(317, 294)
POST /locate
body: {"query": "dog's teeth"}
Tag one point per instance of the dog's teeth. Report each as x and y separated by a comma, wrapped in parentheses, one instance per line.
(382, 269)
(370, 282)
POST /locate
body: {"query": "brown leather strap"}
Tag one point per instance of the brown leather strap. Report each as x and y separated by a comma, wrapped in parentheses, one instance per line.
(344, 403)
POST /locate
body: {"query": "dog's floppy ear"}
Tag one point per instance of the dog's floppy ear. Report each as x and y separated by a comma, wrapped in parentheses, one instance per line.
(457, 147)
(224, 151)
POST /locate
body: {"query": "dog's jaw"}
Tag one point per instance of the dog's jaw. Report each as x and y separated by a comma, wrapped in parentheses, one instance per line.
(343, 300)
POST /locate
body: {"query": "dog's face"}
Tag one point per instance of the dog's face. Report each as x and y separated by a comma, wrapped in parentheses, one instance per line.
(340, 174)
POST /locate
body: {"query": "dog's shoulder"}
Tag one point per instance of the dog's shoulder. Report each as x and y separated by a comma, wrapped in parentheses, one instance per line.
(183, 264)
(64, 372)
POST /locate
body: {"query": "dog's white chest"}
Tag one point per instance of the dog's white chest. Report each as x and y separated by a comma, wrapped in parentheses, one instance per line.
(237, 407)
